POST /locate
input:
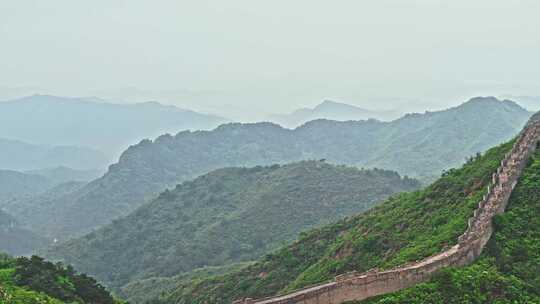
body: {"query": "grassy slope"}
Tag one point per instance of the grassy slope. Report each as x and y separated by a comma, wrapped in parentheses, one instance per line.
(508, 270)
(406, 227)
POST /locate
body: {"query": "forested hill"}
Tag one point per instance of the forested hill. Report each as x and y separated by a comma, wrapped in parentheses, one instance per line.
(227, 216)
(418, 145)
(36, 281)
(15, 239)
(14, 184)
(507, 271)
(30, 210)
(407, 227)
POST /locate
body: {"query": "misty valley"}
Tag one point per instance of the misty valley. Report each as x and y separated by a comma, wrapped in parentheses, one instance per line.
(250, 210)
(269, 152)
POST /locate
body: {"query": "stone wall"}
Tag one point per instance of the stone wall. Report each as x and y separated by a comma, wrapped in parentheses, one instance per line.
(359, 286)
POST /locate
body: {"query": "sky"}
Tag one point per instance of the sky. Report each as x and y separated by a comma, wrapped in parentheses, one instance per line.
(245, 59)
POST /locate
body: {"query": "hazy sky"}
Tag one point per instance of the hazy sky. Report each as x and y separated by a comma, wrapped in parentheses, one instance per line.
(246, 58)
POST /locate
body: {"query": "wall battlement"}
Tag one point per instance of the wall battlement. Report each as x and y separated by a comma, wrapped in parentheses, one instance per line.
(358, 286)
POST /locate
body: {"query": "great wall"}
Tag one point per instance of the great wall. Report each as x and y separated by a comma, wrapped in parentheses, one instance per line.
(359, 286)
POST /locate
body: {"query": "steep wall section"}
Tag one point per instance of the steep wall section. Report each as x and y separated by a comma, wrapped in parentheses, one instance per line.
(355, 286)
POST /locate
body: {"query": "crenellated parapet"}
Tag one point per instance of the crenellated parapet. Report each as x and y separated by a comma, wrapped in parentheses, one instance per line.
(358, 286)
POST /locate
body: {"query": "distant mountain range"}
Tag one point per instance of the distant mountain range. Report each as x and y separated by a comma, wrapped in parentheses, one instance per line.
(108, 127)
(331, 110)
(226, 216)
(21, 156)
(406, 228)
(29, 209)
(62, 174)
(15, 184)
(417, 145)
(25, 194)
(15, 239)
(531, 103)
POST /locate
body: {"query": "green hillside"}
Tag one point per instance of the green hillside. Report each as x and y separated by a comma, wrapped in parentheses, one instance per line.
(14, 184)
(28, 210)
(417, 145)
(406, 227)
(227, 216)
(15, 239)
(508, 270)
(23, 156)
(35, 281)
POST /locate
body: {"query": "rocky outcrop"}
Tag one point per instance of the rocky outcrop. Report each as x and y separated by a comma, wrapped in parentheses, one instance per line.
(359, 286)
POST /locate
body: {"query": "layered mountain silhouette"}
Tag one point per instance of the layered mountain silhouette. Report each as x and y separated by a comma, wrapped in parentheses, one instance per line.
(29, 209)
(227, 216)
(108, 127)
(405, 228)
(417, 145)
(331, 110)
(14, 184)
(64, 174)
(22, 156)
(22, 196)
(15, 239)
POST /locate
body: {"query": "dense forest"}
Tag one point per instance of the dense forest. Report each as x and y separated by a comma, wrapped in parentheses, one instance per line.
(36, 281)
(417, 145)
(406, 227)
(227, 216)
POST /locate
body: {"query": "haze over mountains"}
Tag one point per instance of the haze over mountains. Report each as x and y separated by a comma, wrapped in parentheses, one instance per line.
(92, 122)
(26, 209)
(531, 103)
(184, 202)
(418, 145)
(61, 174)
(405, 228)
(269, 152)
(16, 184)
(331, 110)
(24, 194)
(15, 239)
(22, 156)
(226, 216)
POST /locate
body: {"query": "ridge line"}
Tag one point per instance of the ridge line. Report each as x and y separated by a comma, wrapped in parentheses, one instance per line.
(359, 286)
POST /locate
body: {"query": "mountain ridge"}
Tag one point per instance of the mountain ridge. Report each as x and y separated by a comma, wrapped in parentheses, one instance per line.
(225, 216)
(22, 156)
(359, 286)
(331, 110)
(47, 119)
(146, 169)
(15, 239)
(406, 227)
